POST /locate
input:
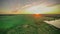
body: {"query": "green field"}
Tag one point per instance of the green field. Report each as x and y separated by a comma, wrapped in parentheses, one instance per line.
(26, 24)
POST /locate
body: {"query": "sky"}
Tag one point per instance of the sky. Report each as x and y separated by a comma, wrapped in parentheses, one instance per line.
(9, 6)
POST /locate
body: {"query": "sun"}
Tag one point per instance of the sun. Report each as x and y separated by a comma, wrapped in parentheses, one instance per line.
(37, 16)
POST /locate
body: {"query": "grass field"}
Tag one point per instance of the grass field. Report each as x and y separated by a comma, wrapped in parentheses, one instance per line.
(27, 24)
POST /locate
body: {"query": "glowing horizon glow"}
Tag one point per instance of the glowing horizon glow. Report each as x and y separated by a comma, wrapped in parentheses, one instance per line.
(30, 7)
(35, 9)
(39, 9)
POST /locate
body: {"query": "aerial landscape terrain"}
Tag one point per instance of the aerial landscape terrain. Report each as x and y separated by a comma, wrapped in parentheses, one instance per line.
(28, 24)
(29, 16)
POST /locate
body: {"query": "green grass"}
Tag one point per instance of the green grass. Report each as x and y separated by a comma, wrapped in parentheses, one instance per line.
(16, 25)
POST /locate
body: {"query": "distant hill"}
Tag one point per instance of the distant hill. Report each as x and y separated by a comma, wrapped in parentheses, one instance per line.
(30, 14)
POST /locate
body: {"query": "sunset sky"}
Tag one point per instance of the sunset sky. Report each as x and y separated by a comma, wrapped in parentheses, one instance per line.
(29, 7)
